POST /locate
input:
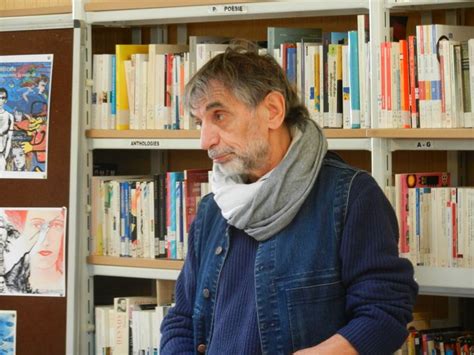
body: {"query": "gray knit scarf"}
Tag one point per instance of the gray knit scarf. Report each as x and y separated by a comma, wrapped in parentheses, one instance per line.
(272, 202)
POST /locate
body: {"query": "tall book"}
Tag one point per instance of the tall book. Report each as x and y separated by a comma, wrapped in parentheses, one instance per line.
(466, 85)
(354, 87)
(193, 178)
(124, 52)
(171, 217)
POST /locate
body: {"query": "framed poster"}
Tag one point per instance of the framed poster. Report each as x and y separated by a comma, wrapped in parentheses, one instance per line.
(25, 87)
(32, 250)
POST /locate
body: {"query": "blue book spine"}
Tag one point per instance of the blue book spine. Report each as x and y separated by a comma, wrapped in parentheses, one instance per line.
(123, 213)
(339, 37)
(127, 218)
(113, 94)
(179, 219)
(353, 49)
(174, 176)
(291, 65)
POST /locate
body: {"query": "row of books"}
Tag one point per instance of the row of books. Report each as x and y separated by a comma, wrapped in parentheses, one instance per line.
(330, 72)
(427, 81)
(130, 326)
(141, 86)
(145, 217)
(448, 341)
(436, 223)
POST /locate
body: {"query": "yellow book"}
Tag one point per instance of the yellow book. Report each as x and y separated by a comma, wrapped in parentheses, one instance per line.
(124, 52)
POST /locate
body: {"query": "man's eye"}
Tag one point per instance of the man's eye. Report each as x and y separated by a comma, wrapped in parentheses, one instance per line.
(219, 116)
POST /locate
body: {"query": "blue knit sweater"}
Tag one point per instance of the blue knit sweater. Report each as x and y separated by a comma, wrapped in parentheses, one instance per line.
(235, 329)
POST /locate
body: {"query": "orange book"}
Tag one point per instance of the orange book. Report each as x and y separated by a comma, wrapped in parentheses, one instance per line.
(404, 84)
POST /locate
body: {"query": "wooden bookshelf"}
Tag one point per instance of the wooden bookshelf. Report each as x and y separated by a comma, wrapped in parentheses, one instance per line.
(423, 133)
(145, 133)
(195, 134)
(165, 264)
(345, 133)
(35, 11)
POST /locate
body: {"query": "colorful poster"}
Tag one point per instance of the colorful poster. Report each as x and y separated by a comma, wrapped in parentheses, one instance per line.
(32, 250)
(7, 332)
(25, 87)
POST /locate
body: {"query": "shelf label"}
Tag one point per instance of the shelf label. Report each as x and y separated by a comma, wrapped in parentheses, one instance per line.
(144, 143)
(227, 9)
(424, 145)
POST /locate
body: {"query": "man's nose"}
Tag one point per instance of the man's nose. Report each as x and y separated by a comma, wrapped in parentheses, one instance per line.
(209, 136)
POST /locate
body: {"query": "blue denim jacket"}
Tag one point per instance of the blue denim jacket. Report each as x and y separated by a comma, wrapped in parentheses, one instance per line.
(333, 269)
(299, 293)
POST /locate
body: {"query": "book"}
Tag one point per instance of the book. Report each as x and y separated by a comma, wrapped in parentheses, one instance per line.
(193, 178)
(276, 36)
(124, 52)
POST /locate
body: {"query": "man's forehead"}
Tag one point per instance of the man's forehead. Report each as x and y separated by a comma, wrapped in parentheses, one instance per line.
(216, 96)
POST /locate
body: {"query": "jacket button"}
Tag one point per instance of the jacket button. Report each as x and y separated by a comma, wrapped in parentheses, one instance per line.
(206, 293)
(218, 250)
(201, 348)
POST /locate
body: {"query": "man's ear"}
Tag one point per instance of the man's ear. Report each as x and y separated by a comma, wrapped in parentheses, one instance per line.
(274, 103)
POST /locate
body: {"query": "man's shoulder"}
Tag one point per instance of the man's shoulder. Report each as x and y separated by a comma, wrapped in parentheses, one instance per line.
(333, 160)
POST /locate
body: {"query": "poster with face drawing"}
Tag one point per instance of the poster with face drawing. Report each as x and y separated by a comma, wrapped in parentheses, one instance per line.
(32, 250)
(7, 332)
(25, 87)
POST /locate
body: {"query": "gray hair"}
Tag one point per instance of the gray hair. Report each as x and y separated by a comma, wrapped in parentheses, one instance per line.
(250, 77)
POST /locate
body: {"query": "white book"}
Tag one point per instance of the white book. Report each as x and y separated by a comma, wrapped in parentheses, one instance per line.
(205, 51)
(95, 113)
(470, 225)
(470, 43)
(106, 92)
(396, 115)
(137, 206)
(194, 41)
(130, 79)
(459, 105)
(446, 114)
(124, 307)
(309, 92)
(102, 333)
(140, 62)
(144, 219)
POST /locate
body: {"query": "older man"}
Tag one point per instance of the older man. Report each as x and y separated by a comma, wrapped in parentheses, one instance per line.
(295, 251)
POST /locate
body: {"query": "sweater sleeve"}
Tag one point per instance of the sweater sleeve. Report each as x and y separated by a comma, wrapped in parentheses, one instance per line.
(177, 326)
(380, 287)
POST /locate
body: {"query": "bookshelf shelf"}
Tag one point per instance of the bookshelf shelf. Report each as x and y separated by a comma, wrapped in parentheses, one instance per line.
(355, 139)
(107, 5)
(49, 10)
(133, 267)
(428, 4)
(150, 133)
(457, 282)
(43, 22)
(425, 133)
(209, 13)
